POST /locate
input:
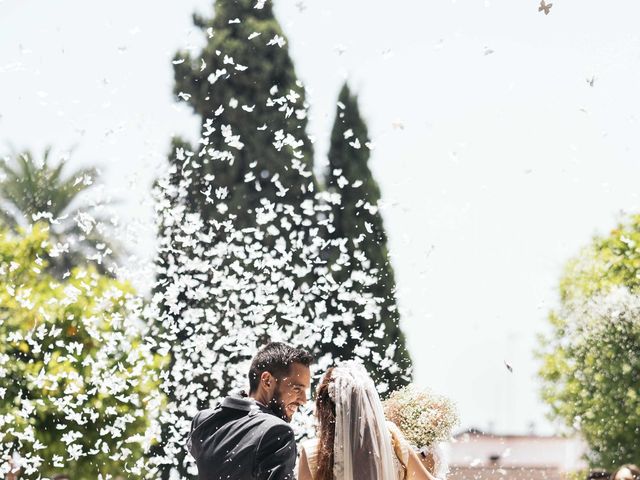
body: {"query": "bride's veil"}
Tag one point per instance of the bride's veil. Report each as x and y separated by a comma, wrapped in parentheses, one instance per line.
(362, 446)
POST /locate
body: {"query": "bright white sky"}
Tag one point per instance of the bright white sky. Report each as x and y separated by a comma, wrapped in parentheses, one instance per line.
(497, 160)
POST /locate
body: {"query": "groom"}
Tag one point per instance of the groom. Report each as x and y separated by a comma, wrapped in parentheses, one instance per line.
(249, 437)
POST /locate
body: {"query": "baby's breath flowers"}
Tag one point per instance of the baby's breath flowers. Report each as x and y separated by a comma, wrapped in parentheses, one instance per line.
(423, 417)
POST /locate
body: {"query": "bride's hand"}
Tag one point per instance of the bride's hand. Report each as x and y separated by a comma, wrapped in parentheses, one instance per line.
(428, 460)
(416, 470)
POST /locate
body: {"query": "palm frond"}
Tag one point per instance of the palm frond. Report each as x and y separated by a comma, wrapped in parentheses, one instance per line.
(8, 219)
(31, 187)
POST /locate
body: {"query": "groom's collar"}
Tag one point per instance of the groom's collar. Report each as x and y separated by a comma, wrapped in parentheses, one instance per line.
(244, 403)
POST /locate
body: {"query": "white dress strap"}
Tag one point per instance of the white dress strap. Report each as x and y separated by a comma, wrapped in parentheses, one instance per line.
(400, 447)
(311, 451)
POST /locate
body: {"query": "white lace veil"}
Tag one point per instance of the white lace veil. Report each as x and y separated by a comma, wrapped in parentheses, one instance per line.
(362, 446)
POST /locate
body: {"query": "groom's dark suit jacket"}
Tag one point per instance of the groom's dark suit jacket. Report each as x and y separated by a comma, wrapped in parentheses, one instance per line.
(242, 440)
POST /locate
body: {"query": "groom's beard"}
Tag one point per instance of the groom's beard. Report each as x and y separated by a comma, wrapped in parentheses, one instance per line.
(277, 406)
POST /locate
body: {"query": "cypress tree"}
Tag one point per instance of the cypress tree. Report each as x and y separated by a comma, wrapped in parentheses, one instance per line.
(244, 88)
(357, 220)
(253, 145)
(253, 156)
(253, 148)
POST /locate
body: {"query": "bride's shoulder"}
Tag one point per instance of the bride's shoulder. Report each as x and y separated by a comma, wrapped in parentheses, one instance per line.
(395, 431)
(310, 447)
(390, 424)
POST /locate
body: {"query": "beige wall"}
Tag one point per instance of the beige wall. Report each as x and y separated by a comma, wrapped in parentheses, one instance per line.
(526, 457)
(507, 473)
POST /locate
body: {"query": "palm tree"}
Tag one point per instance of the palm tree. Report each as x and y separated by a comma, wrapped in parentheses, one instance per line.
(31, 191)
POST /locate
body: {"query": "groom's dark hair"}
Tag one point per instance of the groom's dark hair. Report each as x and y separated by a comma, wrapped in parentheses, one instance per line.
(276, 358)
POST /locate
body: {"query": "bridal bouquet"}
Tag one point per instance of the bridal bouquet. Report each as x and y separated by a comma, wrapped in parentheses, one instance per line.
(425, 419)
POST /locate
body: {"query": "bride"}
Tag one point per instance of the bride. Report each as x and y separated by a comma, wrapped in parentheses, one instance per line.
(354, 440)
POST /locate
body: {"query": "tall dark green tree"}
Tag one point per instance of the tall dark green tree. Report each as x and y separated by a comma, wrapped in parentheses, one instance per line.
(253, 150)
(357, 220)
(253, 145)
(244, 88)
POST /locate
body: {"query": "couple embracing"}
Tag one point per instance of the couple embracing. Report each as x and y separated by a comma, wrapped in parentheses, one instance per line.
(249, 437)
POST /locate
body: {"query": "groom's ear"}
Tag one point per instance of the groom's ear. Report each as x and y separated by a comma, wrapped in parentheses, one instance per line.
(267, 380)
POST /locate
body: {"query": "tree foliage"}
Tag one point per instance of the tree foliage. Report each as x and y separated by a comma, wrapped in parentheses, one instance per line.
(591, 359)
(75, 386)
(358, 223)
(251, 169)
(243, 86)
(32, 189)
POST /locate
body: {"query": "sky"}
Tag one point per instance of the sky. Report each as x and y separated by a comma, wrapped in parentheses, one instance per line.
(504, 140)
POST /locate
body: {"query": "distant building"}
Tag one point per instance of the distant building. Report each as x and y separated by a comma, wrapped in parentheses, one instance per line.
(476, 455)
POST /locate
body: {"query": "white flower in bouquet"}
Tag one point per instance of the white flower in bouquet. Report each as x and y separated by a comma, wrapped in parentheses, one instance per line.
(424, 418)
